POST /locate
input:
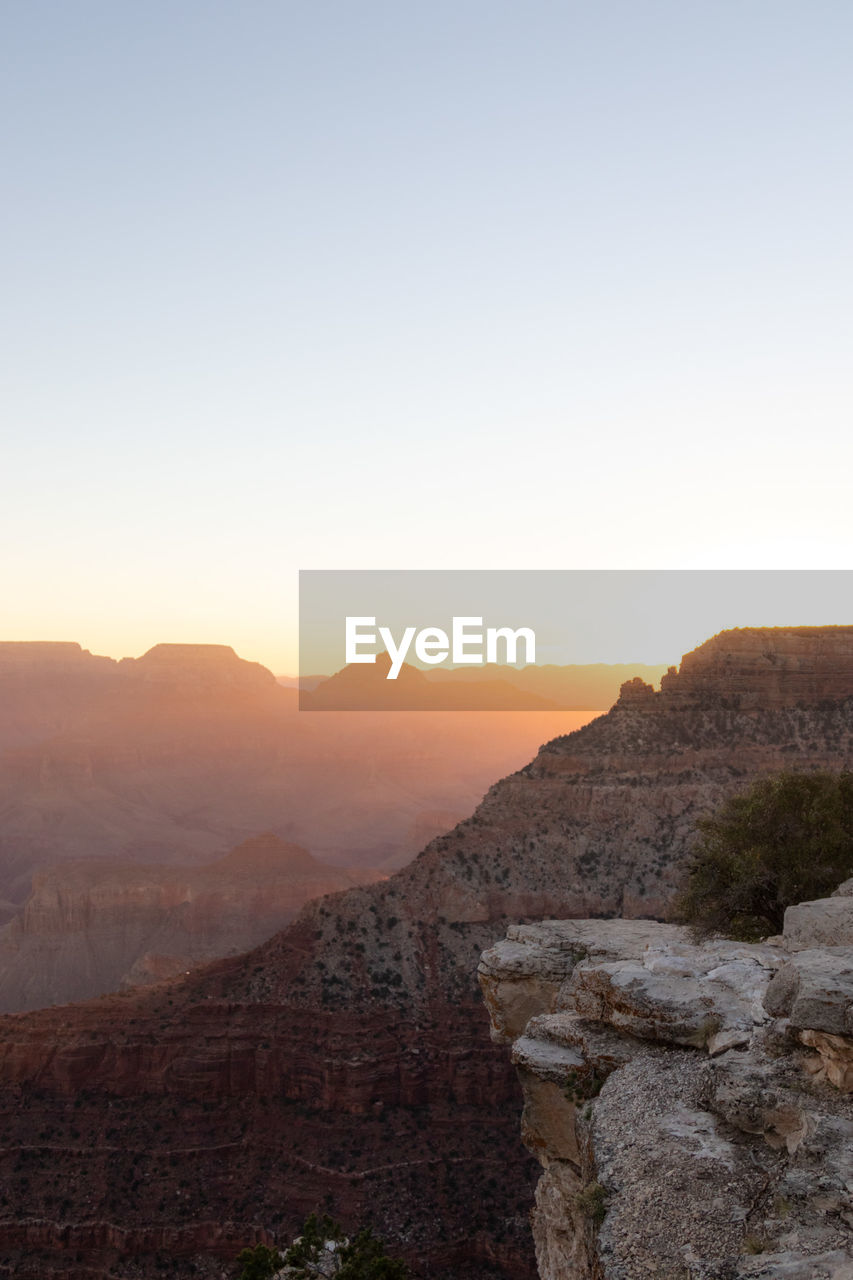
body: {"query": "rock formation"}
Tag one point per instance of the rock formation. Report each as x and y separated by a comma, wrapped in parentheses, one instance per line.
(177, 756)
(575, 687)
(489, 687)
(93, 926)
(366, 687)
(691, 1106)
(767, 666)
(191, 666)
(346, 1064)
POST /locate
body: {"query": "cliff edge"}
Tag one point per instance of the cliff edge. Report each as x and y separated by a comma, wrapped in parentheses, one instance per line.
(346, 1063)
(766, 666)
(691, 1106)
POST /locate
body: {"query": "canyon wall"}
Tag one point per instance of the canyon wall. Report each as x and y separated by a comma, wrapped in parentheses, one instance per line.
(346, 1063)
(93, 926)
(767, 666)
(691, 1106)
(177, 756)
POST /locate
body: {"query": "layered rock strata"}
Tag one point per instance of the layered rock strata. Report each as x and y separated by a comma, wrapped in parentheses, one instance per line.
(94, 926)
(346, 1065)
(691, 1106)
(767, 666)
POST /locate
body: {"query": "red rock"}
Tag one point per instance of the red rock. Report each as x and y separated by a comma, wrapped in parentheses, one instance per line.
(248, 1092)
(95, 925)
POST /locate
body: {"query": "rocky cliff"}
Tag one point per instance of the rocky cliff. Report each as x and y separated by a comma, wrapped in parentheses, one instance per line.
(346, 1063)
(691, 1106)
(96, 925)
(767, 666)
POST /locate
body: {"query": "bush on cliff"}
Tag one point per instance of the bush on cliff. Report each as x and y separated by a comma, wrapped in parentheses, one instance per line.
(364, 1258)
(787, 839)
(259, 1263)
(322, 1250)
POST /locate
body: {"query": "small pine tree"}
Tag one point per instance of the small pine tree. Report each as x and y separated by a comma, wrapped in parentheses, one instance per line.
(259, 1262)
(364, 1258)
(305, 1249)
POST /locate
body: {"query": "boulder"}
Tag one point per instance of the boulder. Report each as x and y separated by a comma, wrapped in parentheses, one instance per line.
(814, 990)
(826, 922)
(702, 997)
(521, 976)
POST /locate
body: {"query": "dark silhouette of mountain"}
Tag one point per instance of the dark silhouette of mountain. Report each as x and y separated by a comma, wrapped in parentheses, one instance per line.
(589, 686)
(177, 756)
(300, 682)
(366, 687)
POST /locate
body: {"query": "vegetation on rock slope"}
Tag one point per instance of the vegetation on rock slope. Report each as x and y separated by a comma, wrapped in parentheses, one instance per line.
(787, 839)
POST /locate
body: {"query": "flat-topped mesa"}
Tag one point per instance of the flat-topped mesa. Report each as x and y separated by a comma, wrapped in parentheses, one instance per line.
(205, 664)
(48, 657)
(185, 664)
(757, 667)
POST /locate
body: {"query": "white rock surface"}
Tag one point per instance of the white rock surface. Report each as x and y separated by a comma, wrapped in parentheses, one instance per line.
(814, 990)
(680, 1099)
(827, 922)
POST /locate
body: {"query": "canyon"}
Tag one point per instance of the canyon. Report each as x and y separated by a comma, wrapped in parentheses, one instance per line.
(346, 1063)
(120, 782)
(177, 756)
(96, 925)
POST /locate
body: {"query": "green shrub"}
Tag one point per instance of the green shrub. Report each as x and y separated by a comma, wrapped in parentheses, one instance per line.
(756, 1244)
(259, 1263)
(580, 1086)
(592, 1202)
(362, 1258)
(787, 839)
(315, 1232)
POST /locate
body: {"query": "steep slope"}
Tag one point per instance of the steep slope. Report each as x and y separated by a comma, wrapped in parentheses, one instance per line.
(92, 926)
(346, 1063)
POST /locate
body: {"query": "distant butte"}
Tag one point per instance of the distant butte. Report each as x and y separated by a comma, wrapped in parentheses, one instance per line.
(98, 924)
(346, 1064)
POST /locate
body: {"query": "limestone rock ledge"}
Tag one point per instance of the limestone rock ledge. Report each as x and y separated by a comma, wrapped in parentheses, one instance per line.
(690, 1105)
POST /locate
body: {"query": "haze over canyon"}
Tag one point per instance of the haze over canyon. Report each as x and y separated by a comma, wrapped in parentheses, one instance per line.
(345, 1064)
(161, 811)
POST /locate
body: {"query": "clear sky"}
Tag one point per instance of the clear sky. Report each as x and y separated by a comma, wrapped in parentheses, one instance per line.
(384, 285)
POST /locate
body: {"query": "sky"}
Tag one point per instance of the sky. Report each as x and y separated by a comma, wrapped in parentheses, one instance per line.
(463, 284)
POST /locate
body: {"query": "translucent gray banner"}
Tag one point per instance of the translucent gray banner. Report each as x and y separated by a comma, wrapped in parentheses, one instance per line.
(477, 640)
